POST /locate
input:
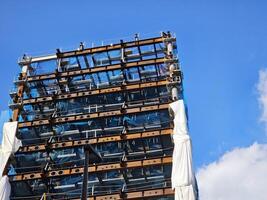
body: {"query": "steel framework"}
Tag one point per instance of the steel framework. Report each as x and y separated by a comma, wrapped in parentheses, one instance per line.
(114, 98)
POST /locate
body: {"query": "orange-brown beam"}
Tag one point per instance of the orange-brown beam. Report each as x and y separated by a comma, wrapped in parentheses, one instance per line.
(93, 168)
(97, 140)
(16, 111)
(111, 47)
(122, 88)
(131, 195)
(141, 194)
(95, 70)
(96, 115)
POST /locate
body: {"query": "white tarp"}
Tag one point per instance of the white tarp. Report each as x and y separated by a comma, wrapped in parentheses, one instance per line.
(10, 144)
(5, 188)
(183, 178)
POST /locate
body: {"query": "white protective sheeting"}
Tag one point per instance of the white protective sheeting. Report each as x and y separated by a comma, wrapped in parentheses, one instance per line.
(5, 188)
(183, 178)
(10, 144)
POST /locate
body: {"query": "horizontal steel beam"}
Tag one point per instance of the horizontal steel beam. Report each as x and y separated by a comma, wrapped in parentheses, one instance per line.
(122, 88)
(43, 58)
(92, 50)
(111, 47)
(140, 194)
(82, 117)
(93, 169)
(98, 140)
(131, 195)
(95, 70)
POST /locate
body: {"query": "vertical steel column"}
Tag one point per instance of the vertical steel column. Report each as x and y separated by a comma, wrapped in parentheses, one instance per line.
(122, 52)
(172, 67)
(85, 172)
(23, 76)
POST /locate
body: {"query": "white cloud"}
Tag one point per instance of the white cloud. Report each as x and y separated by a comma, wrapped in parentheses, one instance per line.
(240, 174)
(262, 89)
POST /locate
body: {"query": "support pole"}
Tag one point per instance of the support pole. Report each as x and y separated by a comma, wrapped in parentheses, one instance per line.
(172, 68)
(85, 172)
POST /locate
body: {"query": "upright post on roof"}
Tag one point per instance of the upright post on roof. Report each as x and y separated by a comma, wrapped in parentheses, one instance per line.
(122, 52)
(173, 67)
(22, 77)
(85, 172)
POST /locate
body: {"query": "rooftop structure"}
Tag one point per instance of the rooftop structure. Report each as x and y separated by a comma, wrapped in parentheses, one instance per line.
(115, 98)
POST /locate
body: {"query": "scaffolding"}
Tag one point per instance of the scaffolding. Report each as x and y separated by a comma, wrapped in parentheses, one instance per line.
(115, 98)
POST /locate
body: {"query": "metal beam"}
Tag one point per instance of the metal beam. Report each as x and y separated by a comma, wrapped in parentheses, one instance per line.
(100, 49)
(97, 140)
(130, 195)
(92, 169)
(85, 174)
(38, 59)
(122, 88)
(82, 117)
(90, 153)
(21, 86)
(141, 194)
(94, 70)
(94, 50)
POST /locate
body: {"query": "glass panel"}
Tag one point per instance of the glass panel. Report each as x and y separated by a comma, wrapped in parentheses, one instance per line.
(101, 59)
(83, 62)
(115, 56)
(132, 74)
(148, 51)
(43, 67)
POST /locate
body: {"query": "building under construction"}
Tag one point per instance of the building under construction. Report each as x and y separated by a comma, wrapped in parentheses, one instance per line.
(110, 101)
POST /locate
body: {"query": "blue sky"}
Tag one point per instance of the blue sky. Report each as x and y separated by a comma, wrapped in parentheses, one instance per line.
(221, 46)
